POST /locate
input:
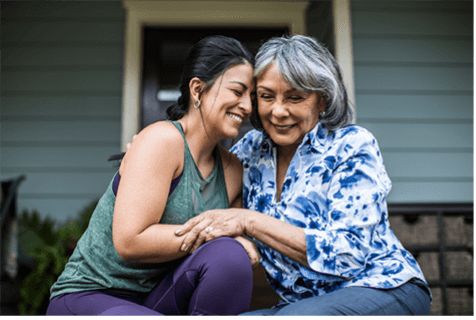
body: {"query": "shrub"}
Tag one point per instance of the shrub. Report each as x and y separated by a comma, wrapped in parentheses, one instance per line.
(51, 248)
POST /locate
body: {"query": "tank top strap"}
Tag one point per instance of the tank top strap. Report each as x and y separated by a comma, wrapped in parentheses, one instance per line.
(216, 179)
(180, 129)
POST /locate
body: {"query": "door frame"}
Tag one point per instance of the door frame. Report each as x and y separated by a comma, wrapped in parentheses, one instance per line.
(210, 13)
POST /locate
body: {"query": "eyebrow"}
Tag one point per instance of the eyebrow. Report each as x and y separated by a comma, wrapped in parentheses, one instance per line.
(240, 83)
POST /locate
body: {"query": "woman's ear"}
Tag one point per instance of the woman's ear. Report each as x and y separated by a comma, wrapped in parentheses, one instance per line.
(196, 86)
(321, 103)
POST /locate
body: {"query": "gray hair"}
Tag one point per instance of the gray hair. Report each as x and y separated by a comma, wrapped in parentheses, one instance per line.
(308, 66)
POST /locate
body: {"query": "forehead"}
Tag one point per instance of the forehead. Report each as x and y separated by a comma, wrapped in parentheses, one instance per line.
(241, 72)
(272, 78)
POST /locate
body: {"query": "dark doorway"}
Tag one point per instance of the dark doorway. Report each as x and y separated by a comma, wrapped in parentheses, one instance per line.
(165, 50)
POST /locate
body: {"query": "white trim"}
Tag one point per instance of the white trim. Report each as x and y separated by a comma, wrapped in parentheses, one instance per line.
(343, 43)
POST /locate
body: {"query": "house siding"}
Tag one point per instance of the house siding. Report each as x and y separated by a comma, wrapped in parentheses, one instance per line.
(414, 92)
(62, 69)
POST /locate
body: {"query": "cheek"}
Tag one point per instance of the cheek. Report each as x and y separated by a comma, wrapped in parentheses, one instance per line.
(264, 111)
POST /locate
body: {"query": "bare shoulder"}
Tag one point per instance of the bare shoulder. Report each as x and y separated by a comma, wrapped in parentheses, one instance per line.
(158, 142)
(161, 131)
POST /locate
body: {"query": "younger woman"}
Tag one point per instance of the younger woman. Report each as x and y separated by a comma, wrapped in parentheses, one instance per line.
(129, 262)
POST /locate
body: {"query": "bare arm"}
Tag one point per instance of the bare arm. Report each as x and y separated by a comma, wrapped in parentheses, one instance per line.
(287, 239)
(146, 175)
(280, 236)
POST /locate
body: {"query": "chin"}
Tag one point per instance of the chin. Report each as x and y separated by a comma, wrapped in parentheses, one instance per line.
(230, 133)
(283, 141)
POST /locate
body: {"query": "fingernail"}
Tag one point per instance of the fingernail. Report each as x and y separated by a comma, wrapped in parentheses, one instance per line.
(184, 247)
(178, 231)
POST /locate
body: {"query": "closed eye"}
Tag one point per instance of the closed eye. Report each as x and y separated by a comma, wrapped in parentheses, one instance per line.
(295, 98)
(237, 92)
(265, 96)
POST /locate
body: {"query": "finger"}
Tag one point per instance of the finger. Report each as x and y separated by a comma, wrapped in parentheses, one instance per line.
(187, 226)
(221, 229)
(198, 242)
(134, 137)
(250, 250)
(254, 257)
(214, 232)
(192, 235)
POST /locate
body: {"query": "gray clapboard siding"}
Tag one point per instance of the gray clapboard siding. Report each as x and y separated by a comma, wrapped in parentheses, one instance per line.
(63, 30)
(61, 101)
(414, 23)
(65, 131)
(450, 165)
(73, 81)
(77, 105)
(413, 50)
(421, 135)
(18, 158)
(382, 77)
(64, 184)
(412, 6)
(420, 106)
(414, 92)
(431, 192)
(64, 57)
(53, 9)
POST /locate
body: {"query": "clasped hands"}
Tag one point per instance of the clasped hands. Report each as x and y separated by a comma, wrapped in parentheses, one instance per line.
(217, 223)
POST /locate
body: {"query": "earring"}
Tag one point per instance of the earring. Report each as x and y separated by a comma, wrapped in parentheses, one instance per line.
(322, 114)
(195, 104)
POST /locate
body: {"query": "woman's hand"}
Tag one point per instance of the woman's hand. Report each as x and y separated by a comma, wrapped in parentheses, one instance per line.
(250, 249)
(210, 225)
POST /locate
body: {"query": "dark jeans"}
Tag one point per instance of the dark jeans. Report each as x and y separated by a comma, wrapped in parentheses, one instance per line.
(408, 299)
(217, 279)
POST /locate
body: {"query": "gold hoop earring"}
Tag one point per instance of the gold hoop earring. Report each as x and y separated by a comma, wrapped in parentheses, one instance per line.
(195, 104)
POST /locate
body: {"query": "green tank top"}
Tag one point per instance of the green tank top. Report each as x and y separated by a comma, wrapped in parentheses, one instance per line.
(95, 264)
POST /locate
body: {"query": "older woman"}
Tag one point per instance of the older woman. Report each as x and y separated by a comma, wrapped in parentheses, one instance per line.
(314, 196)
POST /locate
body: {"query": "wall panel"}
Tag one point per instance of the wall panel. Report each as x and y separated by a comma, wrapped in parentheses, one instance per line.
(414, 92)
(62, 66)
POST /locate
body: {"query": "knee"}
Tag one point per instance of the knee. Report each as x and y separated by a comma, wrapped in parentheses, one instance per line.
(227, 253)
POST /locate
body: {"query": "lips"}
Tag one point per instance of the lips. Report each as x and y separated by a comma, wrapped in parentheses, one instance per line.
(283, 127)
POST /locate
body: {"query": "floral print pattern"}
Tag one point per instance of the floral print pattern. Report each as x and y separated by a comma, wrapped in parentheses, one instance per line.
(335, 189)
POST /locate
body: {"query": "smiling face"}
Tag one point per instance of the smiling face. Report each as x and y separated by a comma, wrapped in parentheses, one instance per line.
(286, 114)
(227, 104)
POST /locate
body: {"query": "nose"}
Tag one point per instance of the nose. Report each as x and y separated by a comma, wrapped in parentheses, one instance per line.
(246, 105)
(279, 109)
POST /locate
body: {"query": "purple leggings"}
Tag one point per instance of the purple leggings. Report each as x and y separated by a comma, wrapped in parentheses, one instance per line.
(216, 279)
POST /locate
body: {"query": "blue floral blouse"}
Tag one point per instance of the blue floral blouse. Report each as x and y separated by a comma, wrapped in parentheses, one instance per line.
(335, 189)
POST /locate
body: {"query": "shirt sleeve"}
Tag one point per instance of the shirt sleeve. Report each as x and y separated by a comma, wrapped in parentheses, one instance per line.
(356, 198)
(237, 149)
